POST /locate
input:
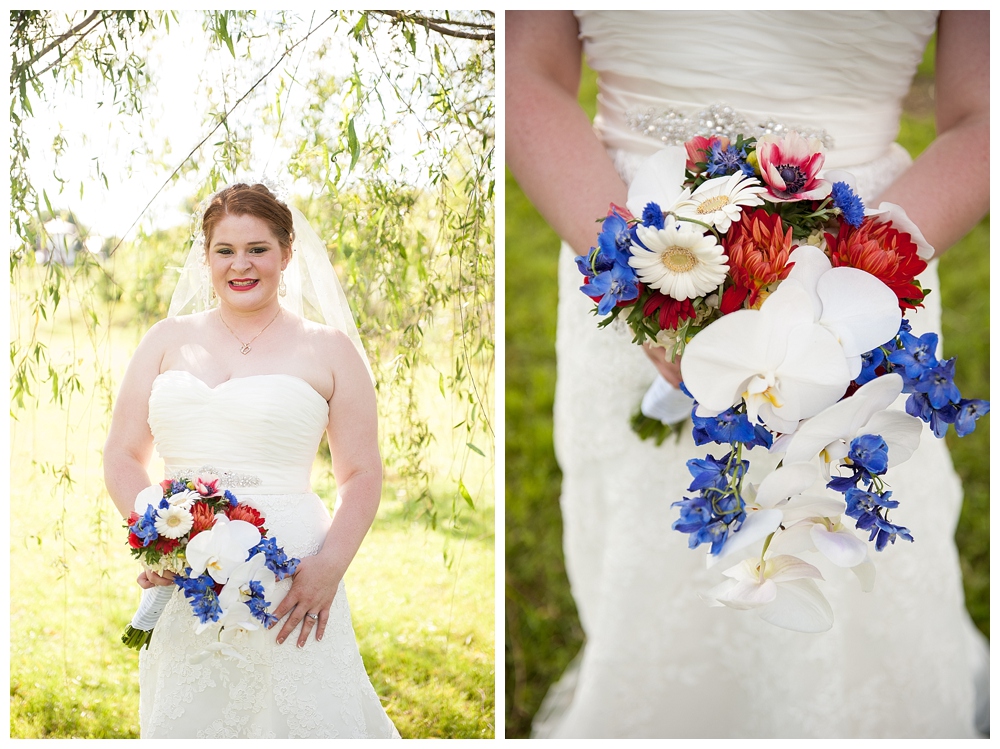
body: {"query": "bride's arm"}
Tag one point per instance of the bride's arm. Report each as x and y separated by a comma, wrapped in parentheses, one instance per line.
(947, 190)
(552, 150)
(551, 147)
(129, 446)
(357, 467)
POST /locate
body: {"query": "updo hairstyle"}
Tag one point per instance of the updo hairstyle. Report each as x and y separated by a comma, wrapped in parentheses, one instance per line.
(249, 200)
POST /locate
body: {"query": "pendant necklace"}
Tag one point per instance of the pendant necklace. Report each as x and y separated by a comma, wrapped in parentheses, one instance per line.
(245, 347)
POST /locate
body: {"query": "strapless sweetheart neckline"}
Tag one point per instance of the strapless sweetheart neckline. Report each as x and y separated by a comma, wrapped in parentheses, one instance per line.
(232, 380)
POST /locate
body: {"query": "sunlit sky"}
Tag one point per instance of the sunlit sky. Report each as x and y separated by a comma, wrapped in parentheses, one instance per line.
(173, 122)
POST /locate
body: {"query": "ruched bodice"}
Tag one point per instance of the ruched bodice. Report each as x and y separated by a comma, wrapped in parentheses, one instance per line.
(845, 72)
(261, 430)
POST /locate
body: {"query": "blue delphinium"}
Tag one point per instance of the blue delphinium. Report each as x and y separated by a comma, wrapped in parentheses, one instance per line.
(610, 277)
(730, 427)
(849, 203)
(200, 592)
(145, 526)
(258, 606)
(969, 412)
(719, 508)
(915, 355)
(275, 559)
(885, 532)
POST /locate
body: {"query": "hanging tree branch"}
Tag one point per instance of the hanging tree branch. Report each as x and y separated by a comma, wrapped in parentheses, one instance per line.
(442, 25)
(220, 123)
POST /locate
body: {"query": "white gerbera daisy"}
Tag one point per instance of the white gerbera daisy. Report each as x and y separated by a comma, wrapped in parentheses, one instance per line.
(719, 201)
(679, 260)
(184, 499)
(173, 522)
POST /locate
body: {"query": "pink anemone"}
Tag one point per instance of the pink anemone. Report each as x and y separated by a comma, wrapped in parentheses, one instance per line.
(789, 167)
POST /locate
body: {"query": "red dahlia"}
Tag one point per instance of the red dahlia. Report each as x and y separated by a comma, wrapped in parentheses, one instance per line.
(888, 254)
(758, 248)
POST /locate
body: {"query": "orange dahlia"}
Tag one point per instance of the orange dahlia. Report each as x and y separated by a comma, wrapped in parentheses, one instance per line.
(204, 518)
(888, 254)
(758, 248)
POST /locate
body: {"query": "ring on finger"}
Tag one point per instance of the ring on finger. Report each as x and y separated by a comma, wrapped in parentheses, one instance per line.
(312, 617)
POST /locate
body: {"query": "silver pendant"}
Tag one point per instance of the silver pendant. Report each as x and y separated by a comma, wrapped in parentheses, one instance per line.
(245, 349)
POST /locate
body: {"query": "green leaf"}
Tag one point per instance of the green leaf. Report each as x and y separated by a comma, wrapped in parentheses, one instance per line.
(465, 494)
(475, 449)
(352, 144)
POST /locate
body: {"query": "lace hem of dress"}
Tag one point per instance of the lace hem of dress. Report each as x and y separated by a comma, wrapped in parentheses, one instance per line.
(672, 126)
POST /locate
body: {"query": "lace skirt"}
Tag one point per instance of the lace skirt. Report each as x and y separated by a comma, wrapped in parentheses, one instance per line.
(270, 690)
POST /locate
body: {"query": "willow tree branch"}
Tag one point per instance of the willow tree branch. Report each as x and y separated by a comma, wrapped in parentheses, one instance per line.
(436, 24)
(55, 43)
(219, 124)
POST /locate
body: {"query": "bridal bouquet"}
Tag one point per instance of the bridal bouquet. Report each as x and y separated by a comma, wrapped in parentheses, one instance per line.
(217, 549)
(786, 296)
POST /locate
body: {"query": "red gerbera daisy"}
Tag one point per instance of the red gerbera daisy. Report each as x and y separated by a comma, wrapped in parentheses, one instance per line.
(671, 311)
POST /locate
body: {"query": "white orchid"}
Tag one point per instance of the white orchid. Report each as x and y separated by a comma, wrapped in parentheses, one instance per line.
(777, 359)
(658, 180)
(235, 594)
(780, 589)
(827, 436)
(222, 548)
(860, 310)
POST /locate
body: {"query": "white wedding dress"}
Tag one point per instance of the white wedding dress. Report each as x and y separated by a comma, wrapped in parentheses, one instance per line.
(259, 434)
(658, 661)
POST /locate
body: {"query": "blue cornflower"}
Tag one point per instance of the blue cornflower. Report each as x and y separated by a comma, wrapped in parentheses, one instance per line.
(885, 532)
(969, 412)
(916, 356)
(176, 487)
(725, 428)
(652, 215)
(728, 160)
(200, 592)
(870, 452)
(939, 385)
(231, 498)
(849, 203)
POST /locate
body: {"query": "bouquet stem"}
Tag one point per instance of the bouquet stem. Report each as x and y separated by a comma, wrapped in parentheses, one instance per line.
(140, 630)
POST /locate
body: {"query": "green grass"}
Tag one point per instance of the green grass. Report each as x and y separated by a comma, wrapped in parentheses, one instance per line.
(542, 630)
(425, 626)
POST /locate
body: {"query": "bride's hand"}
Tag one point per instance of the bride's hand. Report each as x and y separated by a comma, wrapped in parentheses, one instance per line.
(149, 579)
(671, 371)
(312, 592)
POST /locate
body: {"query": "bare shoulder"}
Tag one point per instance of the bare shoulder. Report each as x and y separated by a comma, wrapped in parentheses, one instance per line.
(338, 355)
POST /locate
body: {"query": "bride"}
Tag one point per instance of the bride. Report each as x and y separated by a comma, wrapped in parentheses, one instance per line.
(900, 661)
(245, 391)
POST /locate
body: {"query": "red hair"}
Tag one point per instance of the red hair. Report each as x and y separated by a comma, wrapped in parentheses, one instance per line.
(249, 200)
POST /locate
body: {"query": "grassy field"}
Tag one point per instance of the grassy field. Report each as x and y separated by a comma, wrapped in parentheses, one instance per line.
(425, 626)
(542, 631)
